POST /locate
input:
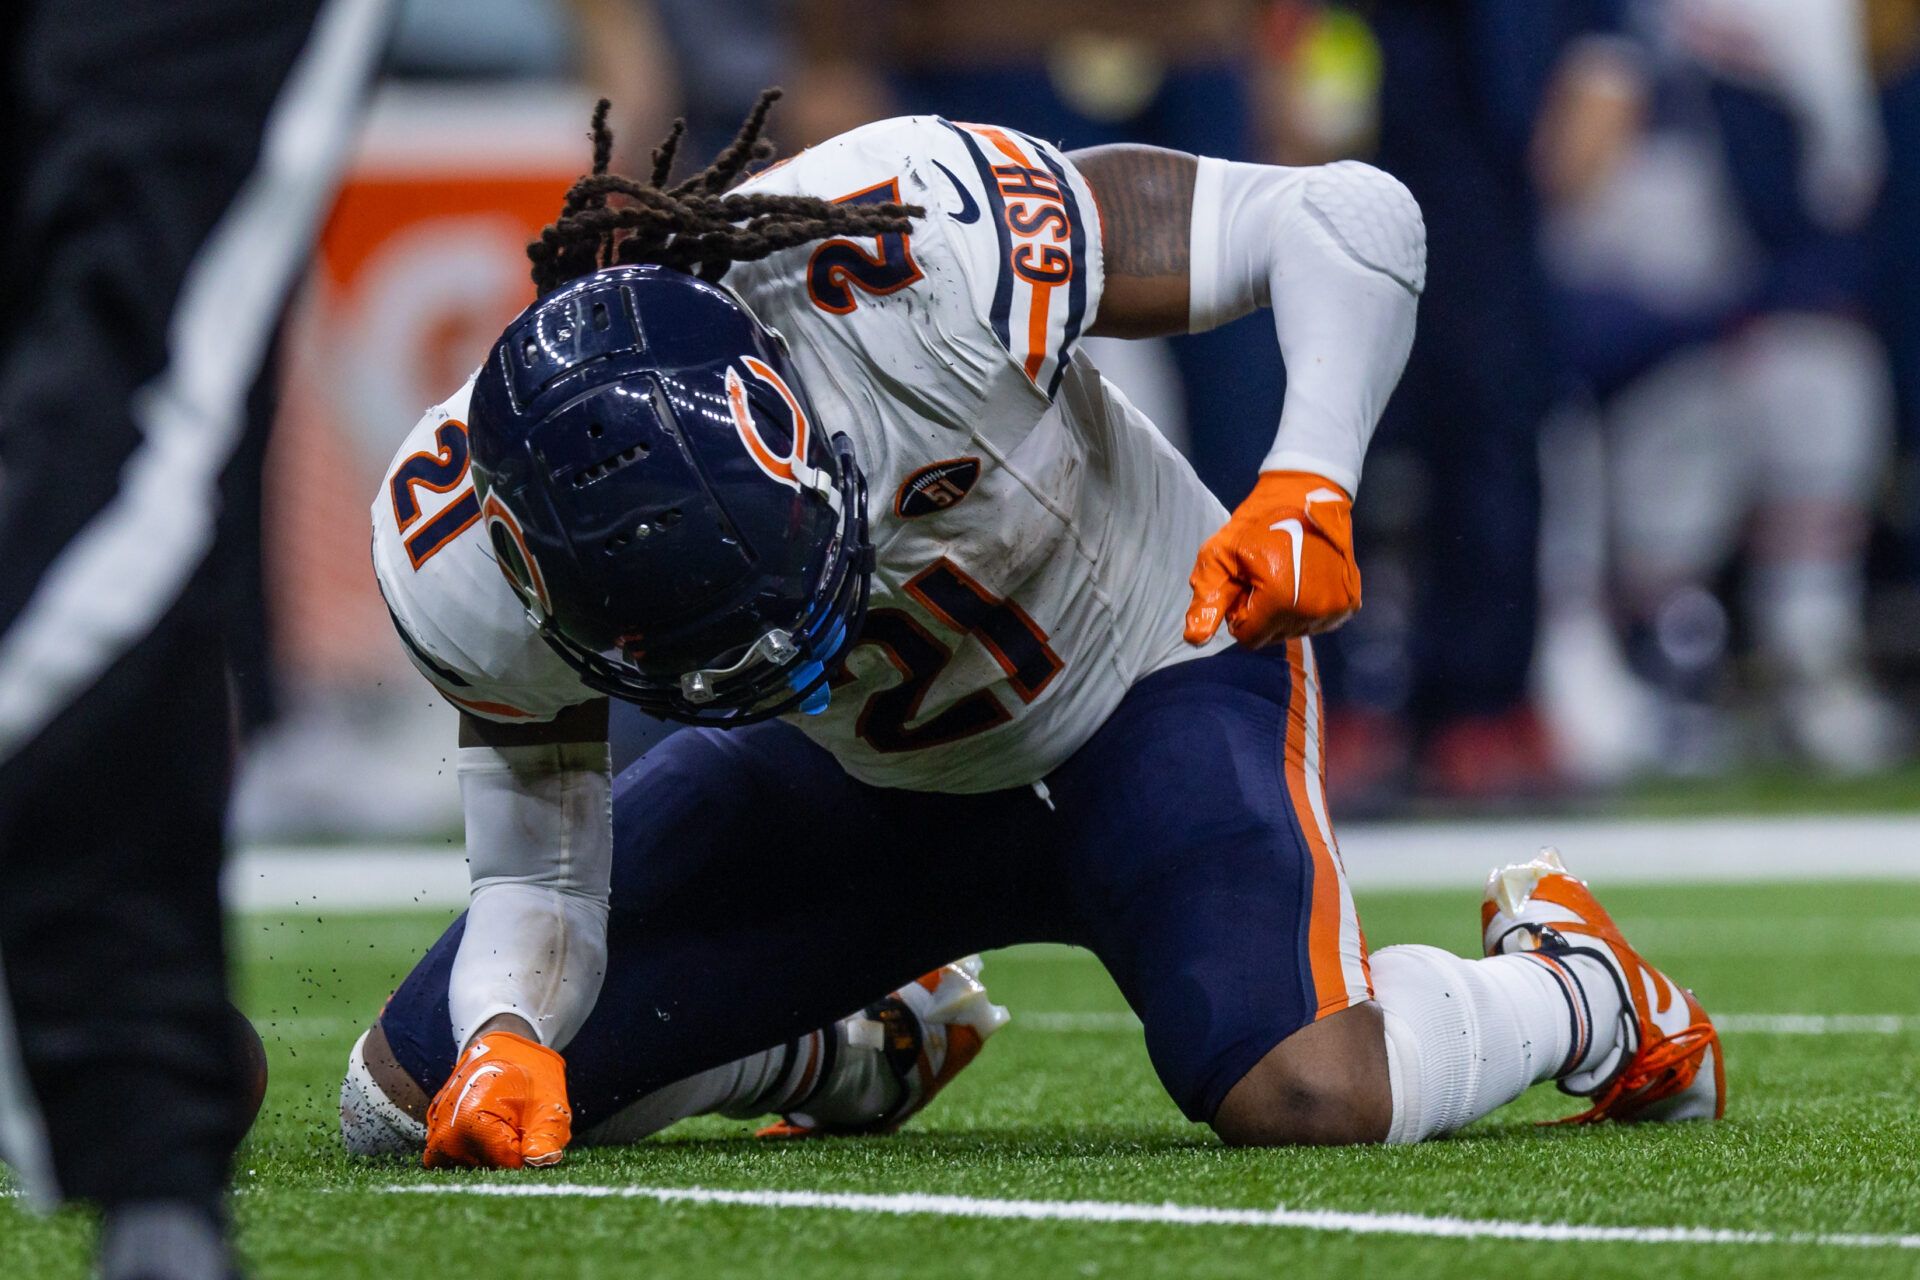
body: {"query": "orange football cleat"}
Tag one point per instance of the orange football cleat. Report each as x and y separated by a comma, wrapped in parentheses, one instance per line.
(1667, 1063)
(1281, 566)
(504, 1107)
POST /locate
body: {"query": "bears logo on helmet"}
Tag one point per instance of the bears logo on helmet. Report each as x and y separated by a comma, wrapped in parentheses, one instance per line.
(793, 470)
(516, 562)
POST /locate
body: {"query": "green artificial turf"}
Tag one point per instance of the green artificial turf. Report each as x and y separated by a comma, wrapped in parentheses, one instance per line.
(1822, 1136)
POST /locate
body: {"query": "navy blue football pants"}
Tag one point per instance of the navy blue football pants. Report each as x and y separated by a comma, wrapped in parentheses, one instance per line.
(760, 893)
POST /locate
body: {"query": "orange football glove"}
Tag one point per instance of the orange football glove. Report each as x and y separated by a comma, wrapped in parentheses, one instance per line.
(1282, 565)
(505, 1106)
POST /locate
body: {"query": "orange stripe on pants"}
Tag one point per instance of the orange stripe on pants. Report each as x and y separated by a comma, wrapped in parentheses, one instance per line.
(1359, 931)
(1323, 927)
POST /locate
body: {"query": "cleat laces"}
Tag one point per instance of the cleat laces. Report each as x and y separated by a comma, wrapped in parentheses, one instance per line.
(1660, 1070)
(1664, 1064)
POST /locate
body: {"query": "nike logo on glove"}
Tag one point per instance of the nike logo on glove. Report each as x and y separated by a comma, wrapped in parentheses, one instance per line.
(474, 1079)
(1291, 527)
(1237, 577)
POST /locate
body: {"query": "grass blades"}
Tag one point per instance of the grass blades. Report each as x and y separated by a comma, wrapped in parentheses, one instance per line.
(1823, 1135)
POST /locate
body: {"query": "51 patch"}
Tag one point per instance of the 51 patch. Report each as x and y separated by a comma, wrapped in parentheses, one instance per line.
(935, 487)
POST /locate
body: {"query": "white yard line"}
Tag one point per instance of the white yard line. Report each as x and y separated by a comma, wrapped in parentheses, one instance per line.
(1105, 1211)
(353, 877)
(312, 1026)
(1042, 1020)
(1393, 855)
(1773, 1024)
(1814, 1024)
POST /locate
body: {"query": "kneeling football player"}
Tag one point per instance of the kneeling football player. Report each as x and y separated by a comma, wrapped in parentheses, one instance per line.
(810, 461)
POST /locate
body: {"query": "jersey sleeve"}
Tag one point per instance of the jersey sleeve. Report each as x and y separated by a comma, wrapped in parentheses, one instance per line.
(980, 305)
(1032, 249)
(461, 624)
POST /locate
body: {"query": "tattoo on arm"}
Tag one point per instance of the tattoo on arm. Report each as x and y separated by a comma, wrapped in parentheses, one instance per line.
(1146, 206)
(1146, 221)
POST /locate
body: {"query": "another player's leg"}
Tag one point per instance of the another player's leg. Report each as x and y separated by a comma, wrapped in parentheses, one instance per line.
(726, 938)
(1806, 589)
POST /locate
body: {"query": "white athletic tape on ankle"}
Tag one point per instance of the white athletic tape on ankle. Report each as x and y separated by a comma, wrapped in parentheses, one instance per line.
(372, 1124)
(1464, 1036)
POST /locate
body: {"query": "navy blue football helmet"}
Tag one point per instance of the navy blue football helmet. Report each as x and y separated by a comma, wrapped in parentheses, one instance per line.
(665, 502)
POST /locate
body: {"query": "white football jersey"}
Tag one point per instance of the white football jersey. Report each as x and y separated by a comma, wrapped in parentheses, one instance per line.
(1034, 532)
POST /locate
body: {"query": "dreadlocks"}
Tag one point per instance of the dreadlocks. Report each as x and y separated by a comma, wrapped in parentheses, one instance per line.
(694, 227)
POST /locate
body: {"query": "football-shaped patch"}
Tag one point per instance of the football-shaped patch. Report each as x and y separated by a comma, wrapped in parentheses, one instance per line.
(936, 487)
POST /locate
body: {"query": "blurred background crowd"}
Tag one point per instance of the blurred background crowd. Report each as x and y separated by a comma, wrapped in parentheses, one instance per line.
(1647, 503)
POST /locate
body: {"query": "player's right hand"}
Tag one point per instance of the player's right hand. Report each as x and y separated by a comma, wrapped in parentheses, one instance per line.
(1281, 566)
(504, 1107)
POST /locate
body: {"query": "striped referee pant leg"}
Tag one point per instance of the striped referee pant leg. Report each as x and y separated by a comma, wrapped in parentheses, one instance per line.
(167, 163)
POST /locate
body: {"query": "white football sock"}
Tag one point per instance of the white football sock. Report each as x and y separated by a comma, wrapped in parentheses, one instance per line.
(860, 1086)
(1465, 1037)
(759, 1084)
(836, 1076)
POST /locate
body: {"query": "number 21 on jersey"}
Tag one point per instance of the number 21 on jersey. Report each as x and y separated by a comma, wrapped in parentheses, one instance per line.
(962, 605)
(442, 472)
